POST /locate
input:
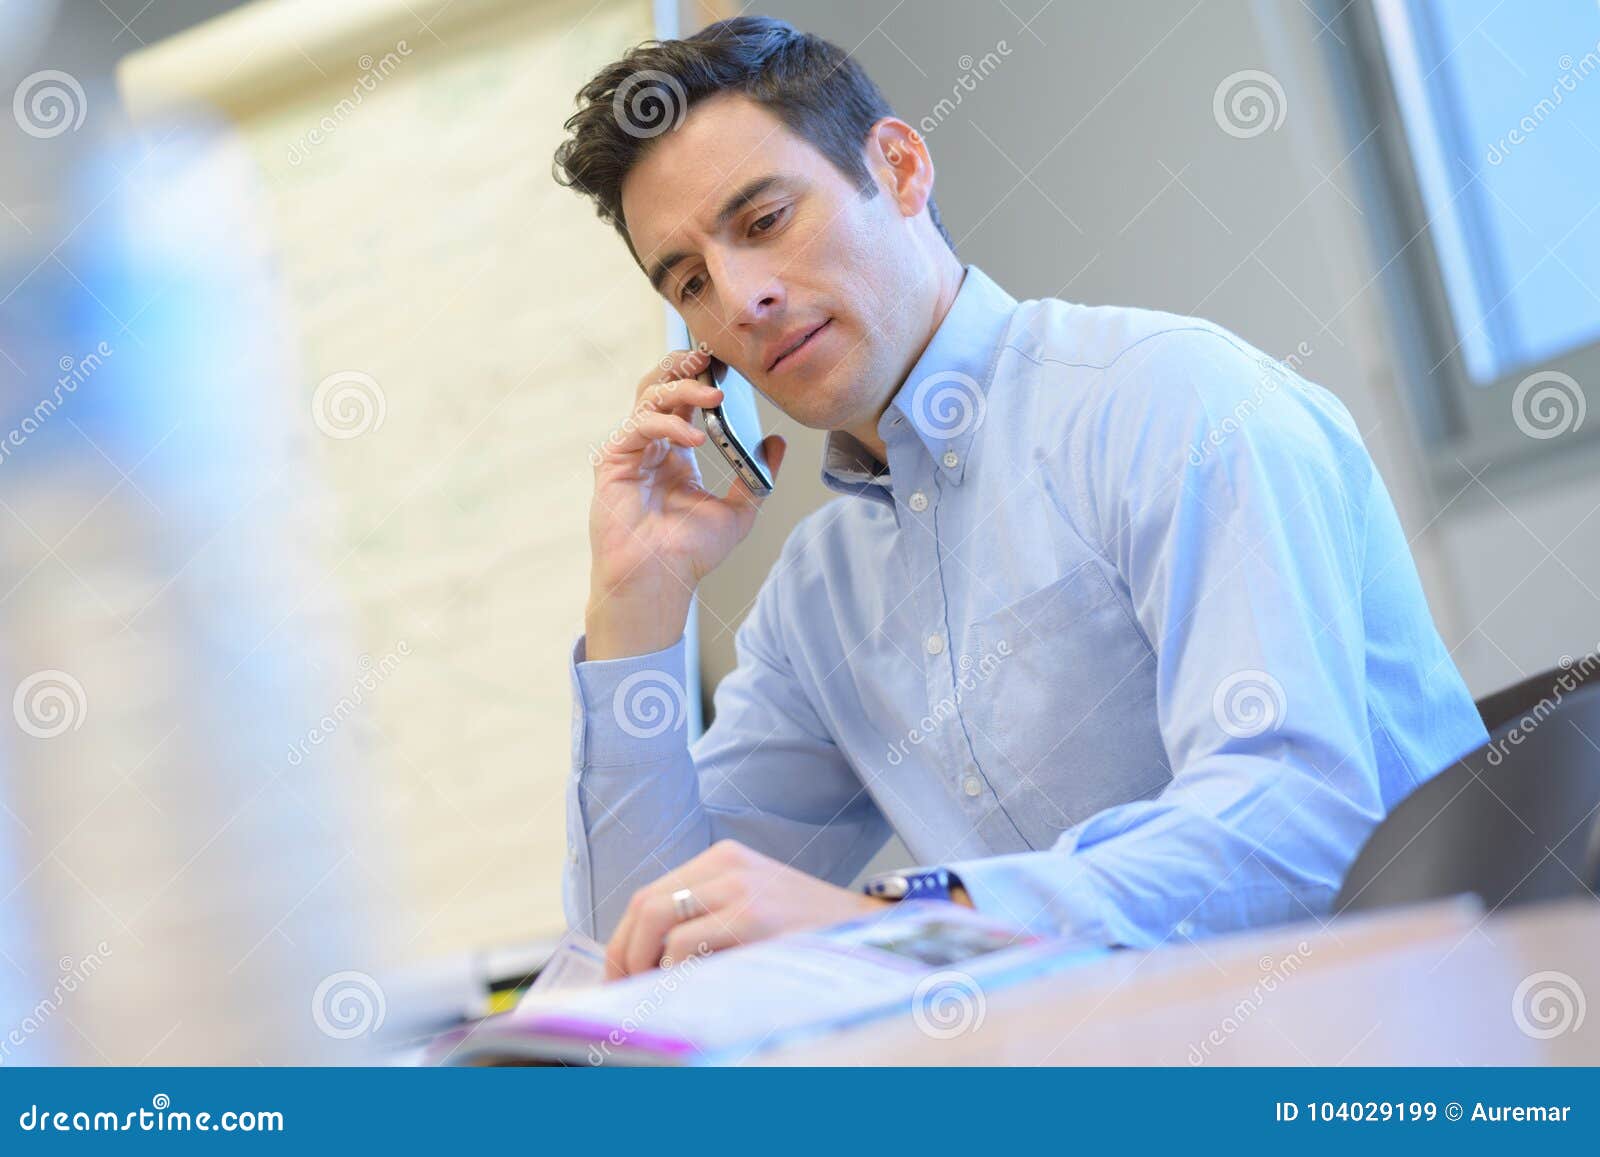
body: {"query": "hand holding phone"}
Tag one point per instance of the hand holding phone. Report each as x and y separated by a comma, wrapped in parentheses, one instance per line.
(654, 530)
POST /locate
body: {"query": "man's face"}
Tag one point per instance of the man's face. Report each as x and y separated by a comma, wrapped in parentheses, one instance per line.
(801, 258)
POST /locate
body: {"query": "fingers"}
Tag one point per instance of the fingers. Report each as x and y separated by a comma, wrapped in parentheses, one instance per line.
(652, 426)
(709, 933)
(676, 364)
(645, 916)
(656, 917)
(671, 392)
(680, 396)
(642, 937)
(617, 945)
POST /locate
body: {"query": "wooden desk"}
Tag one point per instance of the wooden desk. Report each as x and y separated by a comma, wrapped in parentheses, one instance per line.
(1431, 985)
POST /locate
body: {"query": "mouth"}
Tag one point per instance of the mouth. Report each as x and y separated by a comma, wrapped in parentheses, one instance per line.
(799, 347)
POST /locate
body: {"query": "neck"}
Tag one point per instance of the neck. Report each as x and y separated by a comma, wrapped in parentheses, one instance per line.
(950, 274)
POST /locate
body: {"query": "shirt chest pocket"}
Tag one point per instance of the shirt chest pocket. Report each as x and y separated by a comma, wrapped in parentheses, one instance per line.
(1065, 705)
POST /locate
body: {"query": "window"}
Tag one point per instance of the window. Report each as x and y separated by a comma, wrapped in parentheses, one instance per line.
(1490, 112)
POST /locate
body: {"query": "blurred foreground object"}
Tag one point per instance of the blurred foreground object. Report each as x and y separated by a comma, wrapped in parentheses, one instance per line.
(191, 893)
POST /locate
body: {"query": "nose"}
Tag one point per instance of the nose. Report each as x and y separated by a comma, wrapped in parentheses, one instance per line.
(751, 289)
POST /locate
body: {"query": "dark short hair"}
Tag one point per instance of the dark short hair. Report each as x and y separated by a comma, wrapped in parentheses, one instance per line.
(811, 85)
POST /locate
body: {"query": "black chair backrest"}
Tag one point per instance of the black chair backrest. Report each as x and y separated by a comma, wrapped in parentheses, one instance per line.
(1515, 821)
(1510, 703)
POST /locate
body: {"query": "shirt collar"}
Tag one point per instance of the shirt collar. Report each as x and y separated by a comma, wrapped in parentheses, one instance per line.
(944, 397)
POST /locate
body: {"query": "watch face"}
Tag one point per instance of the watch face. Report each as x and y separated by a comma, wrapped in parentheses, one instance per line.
(889, 887)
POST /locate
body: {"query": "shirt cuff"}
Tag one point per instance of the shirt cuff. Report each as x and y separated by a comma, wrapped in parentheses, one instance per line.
(628, 711)
(1050, 902)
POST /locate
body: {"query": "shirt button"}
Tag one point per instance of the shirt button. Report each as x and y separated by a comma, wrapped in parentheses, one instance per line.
(935, 644)
(918, 502)
(951, 459)
(572, 854)
(971, 785)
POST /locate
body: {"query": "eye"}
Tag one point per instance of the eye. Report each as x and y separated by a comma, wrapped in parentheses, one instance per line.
(691, 287)
(769, 222)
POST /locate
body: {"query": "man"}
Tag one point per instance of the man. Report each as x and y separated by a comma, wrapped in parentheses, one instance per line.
(1114, 623)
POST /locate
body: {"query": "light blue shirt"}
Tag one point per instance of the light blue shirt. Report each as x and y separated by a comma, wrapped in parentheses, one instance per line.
(1128, 636)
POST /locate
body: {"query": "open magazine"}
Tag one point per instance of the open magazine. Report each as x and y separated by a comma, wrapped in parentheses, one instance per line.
(935, 962)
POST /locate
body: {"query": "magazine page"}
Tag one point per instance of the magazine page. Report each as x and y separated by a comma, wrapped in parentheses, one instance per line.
(735, 1002)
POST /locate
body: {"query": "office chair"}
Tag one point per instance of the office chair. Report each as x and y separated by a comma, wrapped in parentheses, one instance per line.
(1517, 700)
(1515, 821)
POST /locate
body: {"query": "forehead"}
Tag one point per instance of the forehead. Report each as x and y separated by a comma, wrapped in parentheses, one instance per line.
(674, 191)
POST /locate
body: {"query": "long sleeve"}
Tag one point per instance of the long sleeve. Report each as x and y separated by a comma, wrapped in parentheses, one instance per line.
(640, 801)
(1245, 517)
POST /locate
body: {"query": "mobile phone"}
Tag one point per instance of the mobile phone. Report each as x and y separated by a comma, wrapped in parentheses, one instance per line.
(734, 428)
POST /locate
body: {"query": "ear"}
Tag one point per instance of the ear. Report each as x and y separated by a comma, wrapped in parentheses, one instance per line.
(898, 157)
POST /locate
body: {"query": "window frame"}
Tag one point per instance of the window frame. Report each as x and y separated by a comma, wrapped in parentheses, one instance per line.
(1467, 428)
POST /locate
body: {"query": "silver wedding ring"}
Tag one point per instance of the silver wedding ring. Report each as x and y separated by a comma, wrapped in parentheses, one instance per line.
(684, 905)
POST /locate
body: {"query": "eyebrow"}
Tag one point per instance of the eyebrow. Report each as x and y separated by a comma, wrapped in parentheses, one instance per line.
(730, 208)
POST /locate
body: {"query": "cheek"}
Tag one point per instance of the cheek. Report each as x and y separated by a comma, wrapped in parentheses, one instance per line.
(845, 236)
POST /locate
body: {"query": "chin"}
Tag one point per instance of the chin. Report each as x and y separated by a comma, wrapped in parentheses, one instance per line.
(821, 401)
(809, 404)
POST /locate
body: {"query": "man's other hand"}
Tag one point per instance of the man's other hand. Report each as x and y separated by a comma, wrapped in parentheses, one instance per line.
(739, 896)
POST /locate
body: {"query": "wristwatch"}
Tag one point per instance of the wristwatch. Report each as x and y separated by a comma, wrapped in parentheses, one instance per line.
(912, 884)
